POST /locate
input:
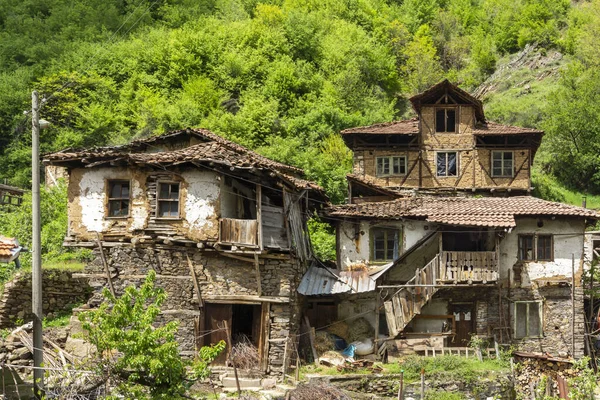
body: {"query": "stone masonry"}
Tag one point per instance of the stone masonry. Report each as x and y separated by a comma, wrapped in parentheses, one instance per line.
(217, 275)
(61, 290)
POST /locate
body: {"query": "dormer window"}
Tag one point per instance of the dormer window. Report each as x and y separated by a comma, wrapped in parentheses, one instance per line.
(445, 119)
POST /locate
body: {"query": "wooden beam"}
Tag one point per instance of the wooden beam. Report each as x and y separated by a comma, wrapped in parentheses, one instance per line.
(195, 280)
(106, 268)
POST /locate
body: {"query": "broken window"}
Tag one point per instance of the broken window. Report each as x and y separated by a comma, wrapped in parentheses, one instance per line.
(385, 244)
(445, 120)
(393, 165)
(168, 200)
(528, 319)
(447, 163)
(536, 247)
(118, 199)
(502, 163)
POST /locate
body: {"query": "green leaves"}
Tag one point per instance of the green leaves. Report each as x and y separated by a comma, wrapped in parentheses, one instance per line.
(140, 355)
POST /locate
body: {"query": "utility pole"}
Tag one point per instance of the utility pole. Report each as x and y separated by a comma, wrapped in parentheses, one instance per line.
(36, 284)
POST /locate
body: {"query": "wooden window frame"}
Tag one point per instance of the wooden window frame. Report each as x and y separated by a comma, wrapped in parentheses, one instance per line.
(535, 237)
(109, 183)
(512, 169)
(457, 164)
(159, 200)
(516, 318)
(445, 109)
(386, 229)
(391, 165)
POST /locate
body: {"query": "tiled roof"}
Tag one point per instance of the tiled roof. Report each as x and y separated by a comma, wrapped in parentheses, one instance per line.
(214, 149)
(493, 128)
(9, 249)
(370, 183)
(405, 127)
(487, 211)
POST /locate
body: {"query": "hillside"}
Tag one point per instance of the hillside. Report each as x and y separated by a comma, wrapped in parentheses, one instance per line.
(278, 76)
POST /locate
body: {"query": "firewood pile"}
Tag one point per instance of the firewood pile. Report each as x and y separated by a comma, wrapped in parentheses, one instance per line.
(537, 377)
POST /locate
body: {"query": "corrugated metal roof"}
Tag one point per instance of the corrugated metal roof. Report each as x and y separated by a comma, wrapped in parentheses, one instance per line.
(318, 281)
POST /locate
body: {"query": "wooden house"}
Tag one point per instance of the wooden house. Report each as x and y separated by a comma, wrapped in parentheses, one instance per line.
(223, 227)
(440, 240)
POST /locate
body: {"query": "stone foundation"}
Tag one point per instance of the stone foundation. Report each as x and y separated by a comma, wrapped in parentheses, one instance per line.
(220, 279)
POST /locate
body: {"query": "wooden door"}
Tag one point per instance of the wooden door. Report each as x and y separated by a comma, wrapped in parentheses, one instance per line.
(464, 322)
(215, 314)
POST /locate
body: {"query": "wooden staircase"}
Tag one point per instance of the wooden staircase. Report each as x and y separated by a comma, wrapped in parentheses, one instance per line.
(408, 301)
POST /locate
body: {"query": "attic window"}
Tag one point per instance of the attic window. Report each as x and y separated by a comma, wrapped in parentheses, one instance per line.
(445, 119)
(168, 200)
(118, 199)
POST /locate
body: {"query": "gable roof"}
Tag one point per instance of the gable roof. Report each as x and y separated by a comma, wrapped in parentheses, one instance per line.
(467, 211)
(431, 95)
(211, 149)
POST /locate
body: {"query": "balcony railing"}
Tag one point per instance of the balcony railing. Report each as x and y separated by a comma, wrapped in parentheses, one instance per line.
(468, 266)
(242, 232)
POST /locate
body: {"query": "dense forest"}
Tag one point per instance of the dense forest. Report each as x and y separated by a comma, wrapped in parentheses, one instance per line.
(285, 76)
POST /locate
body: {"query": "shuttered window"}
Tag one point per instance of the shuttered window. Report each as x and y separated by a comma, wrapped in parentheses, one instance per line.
(168, 200)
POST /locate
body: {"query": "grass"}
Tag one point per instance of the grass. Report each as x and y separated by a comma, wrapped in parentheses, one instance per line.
(70, 265)
(449, 366)
(61, 318)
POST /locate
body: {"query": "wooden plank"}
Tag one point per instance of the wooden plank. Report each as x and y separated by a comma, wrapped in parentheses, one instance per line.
(259, 236)
(263, 346)
(311, 338)
(390, 318)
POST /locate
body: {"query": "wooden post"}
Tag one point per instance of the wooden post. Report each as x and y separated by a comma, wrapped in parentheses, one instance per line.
(311, 338)
(106, 269)
(573, 305)
(195, 281)
(258, 278)
(259, 233)
(422, 383)
(376, 339)
(285, 355)
(401, 388)
(237, 380)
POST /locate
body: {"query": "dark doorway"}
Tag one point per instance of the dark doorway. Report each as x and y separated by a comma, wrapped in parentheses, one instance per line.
(464, 318)
(244, 321)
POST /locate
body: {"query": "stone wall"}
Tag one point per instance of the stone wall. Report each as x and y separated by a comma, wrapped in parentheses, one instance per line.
(220, 279)
(61, 290)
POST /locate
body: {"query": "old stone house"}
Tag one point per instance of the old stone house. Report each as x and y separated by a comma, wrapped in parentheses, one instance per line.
(223, 227)
(440, 239)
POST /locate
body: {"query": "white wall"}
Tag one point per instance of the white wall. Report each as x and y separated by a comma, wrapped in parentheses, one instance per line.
(201, 200)
(568, 240)
(358, 251)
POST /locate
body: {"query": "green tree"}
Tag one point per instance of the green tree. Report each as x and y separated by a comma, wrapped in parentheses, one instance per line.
(136, 354)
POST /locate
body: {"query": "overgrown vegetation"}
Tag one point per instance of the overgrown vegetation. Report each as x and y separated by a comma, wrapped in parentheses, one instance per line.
(139, 357)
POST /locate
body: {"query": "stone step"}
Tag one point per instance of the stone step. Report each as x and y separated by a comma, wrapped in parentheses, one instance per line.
(245, 383)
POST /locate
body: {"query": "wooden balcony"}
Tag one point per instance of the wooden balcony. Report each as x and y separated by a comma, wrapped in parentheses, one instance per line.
(468, 267)
(238, 232)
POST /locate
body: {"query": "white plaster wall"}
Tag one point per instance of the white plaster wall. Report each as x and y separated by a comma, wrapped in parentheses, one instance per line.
(568, 240)
(433, 307)
(201, 198)
(350, 310)
(358, 251)
(92, 198)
